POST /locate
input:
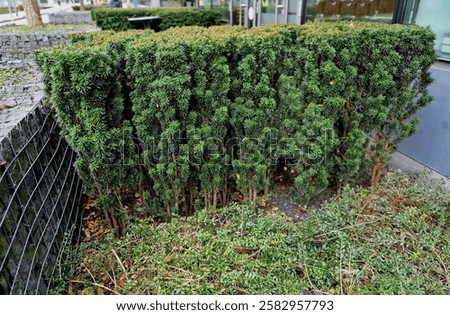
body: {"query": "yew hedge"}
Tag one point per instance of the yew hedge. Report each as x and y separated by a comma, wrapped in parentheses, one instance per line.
(193, 117)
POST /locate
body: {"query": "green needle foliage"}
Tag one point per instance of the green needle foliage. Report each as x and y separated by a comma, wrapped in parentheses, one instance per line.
(88, 90)
(194, 117)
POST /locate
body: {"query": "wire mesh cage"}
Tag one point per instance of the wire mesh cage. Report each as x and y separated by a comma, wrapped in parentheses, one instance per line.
(39, 202)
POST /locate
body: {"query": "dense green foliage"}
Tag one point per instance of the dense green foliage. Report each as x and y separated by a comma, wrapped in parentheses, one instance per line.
(86, 80)
(116, 19)
(86, 7)
(197, 116)
(388, 240)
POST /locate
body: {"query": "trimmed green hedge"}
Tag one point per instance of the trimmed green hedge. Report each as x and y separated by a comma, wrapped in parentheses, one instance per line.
(207, 115)
(116, 19)
(87, 86)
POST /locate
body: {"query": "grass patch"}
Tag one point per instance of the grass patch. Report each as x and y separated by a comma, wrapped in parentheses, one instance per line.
(390, 240)
(11, 77)
(17, 76)
(46, 28)
(5, 76)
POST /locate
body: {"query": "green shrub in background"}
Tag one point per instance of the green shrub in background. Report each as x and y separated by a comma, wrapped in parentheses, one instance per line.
(208, 114)
(86, 7)
(117, 19)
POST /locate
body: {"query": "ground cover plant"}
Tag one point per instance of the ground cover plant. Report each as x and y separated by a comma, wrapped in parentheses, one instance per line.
(48, 28)
(392, 239)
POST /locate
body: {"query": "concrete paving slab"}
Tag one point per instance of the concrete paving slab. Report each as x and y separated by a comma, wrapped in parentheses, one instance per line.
(431, 144)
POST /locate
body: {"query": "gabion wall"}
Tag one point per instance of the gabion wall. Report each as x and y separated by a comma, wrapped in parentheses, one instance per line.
(65, 17)
(39, 202)
(21, 46)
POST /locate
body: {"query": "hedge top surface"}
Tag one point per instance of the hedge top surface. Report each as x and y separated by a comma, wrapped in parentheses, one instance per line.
(219, 33)
(198, 34)
(81, 43)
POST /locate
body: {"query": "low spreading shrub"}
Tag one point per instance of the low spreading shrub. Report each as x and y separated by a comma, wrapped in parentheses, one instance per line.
(388, 240)
(117, 19)
(195, 117)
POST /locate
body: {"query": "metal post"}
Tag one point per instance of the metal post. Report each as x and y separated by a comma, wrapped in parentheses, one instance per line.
(300, 6)
(303, 12)
(255, 3)
(240, 12)
(276, 11)
(246, 14)
(286, 11)
(259, 12)
(399, 11)
(230, 7)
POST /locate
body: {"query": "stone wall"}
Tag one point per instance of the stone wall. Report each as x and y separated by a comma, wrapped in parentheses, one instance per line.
(20, 46)
(19, 94)
(39, 202)
(65, 17)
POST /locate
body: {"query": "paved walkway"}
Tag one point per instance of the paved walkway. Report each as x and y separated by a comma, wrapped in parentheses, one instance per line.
(430, 145)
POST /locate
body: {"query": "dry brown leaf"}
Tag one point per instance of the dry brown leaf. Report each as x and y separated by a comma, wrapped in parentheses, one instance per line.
(85, 291)
(262, 203)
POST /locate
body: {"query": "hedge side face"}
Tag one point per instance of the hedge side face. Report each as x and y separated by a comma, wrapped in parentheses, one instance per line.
(201, 116)
(88, 89)
(117, 19)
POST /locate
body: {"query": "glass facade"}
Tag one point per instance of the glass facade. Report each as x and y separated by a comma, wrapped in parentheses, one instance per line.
(333, 10)
(294, 11)
(432, 13)
(436, 15)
